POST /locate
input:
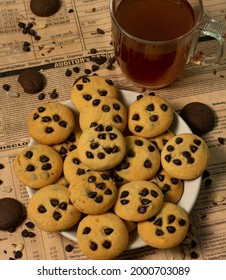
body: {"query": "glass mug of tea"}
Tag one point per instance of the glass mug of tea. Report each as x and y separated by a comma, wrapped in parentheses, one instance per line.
(154, 39)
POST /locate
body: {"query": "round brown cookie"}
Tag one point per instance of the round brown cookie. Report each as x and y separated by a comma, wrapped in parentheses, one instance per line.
(185, 156)
(31, 80)
(149, 116)
(165, 230)
(102, 237)
(73, 166)
(199, 117)
(141, 162)
(44, 8)
(172, 188)
(138, 201)
(12, 213)
(162, 139)
(88, 88)
(101, 147)
(70, 144)
(50, 209)
(105, 110)
(38, 166)
(51, 123)
(93, 193)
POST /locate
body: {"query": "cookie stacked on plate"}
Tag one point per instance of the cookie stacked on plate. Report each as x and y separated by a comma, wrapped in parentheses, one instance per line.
(123, 166)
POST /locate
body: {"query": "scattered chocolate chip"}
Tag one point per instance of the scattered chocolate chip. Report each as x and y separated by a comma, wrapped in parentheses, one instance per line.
(41, 96)
(221, 140)
(100, 31)
(18, 254)
(69, 248)
(54, 94)
(30, 224)
(2, 166)
(6, 87)
(68, 73)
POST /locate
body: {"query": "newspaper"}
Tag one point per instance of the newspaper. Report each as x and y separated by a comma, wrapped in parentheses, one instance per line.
(68, 45)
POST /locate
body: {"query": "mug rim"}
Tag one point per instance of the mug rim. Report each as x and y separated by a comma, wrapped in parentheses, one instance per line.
(147, 42)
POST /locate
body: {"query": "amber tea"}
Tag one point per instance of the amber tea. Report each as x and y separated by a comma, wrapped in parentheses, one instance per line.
(140, 47)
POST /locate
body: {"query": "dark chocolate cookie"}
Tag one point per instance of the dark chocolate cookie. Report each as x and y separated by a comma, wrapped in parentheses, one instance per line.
(199, 117)
(44, 8)
(32, 81)
(12, 213)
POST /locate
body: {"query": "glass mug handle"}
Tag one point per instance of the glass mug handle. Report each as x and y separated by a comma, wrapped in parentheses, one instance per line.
(215, 29)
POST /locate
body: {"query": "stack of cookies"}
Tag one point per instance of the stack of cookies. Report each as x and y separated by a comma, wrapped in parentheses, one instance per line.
(109, 169)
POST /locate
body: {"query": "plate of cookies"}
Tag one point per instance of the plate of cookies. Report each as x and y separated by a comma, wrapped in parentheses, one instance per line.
(111, 169)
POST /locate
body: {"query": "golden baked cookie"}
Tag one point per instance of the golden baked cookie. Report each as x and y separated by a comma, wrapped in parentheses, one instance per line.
(141, 162)
(73, 166)
(51, 123)
(105, 110)
(165, 230)
(149, 116)
(37, 166)
(162, 139)
(50, 209)
(93, 193)
(88, 88)
(172, 188)
(138, 201)
(102, 237)
(101, 147)
(70, 144)
(185, 156)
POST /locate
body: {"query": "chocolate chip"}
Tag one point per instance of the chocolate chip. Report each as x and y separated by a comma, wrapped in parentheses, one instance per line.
(167, 158)
(101, 155)
(49, 130)
(147, 163)
(171, 219)
(151, 107)
(138, 128)
(106, 108)
(165, 189)
(30, 224)
(113, 136)
(54, 202)
(124, 194)
(145, 201)
(108, 192)
(106, 244)
(6, 87)
(29, 154)
(164, 107)
(221, 140)
(158, 222)
(103, 93)
(124, 201)
(93, 246)
(42, 209)
(144, 192)
(142, 209)
(197, 142)
(101, 185)
(154, 193)
(92, 194)
(108, 231)
(18, 255)
(151, 148)
(63, 205)
(138, 142)
(63, 124)
(159, 232)
(99, 199)
(154, 118)
(46, 166)
(86, 230)
(177, 162)
(69, 248)
(193, 148)
(117, 119)
(89, 155)
(87, 97)
(170, 148)
(171, 229)
(30, 168)
(182, 222)
(44, 158)
(57, 215)
(178, 140)
(135, 117)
